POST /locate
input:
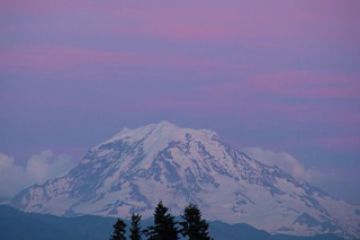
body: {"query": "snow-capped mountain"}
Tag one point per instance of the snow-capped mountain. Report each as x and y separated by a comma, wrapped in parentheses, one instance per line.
(135, 169)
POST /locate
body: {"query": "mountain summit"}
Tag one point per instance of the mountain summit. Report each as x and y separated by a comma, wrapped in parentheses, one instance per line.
(136, 168)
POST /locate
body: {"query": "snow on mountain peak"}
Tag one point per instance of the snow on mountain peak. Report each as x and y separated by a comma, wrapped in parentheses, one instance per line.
(161, 133)
(157, 136)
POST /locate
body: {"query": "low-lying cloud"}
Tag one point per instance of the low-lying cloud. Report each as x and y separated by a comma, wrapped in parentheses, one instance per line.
(38, 168)
(283, 160)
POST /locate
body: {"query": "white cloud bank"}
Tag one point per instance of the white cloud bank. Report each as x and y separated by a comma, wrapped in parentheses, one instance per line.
(283, 160)
(39, 168)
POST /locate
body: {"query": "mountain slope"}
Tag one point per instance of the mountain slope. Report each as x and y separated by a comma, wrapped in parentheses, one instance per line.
(28, 226)
(135, 169)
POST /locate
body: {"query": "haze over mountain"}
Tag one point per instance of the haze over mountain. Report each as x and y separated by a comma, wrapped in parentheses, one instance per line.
(136, 168)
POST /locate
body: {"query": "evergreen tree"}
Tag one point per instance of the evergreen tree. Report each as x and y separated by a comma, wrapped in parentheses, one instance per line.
(119, 230)
(164, 227)
(193, 226)
(135, 232)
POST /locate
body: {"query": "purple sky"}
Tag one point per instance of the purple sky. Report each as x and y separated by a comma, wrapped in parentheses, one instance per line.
(280, 75)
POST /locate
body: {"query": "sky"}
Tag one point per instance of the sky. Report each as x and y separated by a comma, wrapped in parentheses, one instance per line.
(277, 78)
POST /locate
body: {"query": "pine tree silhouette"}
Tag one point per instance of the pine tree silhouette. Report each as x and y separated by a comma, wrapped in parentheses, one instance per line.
(119, 230)
(164, 227)
(135, 231)
(193, 226)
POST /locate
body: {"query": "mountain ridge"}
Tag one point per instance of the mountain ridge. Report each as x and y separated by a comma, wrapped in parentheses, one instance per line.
(47, 227)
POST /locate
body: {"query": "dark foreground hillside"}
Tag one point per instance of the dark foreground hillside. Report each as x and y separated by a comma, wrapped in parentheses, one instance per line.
(18, 225)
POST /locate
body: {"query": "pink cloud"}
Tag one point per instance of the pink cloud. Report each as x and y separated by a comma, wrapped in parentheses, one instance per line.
(263, 23)
(301, 97)
(300, 85)
(315, 114)
(57, 58)
(306, 84)
(53, 58)
(254, 22)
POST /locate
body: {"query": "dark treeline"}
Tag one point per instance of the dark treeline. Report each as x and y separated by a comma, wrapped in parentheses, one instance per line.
(165, 227)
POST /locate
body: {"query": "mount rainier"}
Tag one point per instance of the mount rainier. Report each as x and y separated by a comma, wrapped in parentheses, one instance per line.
(136, 168)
